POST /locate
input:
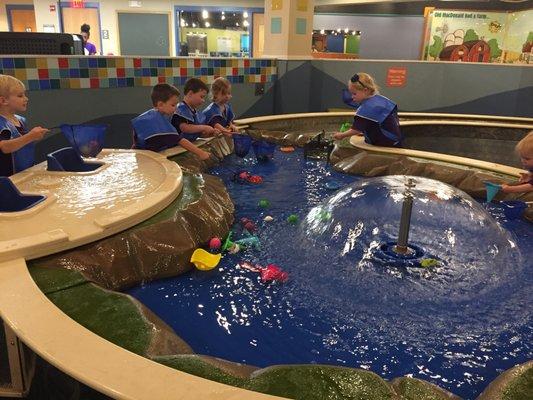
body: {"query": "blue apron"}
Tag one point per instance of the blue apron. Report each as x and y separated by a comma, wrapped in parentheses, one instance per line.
(213, 110)
(193, 117)
(376, 108)
(149, 124)
(24, 157)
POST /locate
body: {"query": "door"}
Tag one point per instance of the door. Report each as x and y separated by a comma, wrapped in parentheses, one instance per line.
(74, 18)
(144, 34)
(21, 18)
(258, 35)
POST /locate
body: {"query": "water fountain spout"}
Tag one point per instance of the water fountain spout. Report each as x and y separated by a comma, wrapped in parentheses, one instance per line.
(405, 221)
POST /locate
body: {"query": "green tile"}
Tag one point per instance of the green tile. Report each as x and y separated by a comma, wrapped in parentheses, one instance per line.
(275, 25)
(20, 63)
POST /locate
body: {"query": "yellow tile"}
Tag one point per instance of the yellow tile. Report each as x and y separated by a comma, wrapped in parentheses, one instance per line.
(119, 63)
(41, 63)
(146, 81)
(75, 83)
(20, 74)
(183, 63)
(102, 72)
(169, 72)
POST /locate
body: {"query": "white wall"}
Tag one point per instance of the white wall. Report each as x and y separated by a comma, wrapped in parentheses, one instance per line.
(3, 15)
(109, 19)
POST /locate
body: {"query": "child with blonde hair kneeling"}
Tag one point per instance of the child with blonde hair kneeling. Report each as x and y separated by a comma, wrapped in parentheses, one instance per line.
(524, 148)
(376, 117)
(219, 114)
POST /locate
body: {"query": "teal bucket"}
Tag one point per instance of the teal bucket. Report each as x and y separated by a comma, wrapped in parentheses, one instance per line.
(492, 190)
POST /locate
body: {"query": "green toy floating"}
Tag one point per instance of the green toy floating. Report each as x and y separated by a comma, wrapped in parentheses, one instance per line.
(264, 203)
(344, 127)
(429, 262)
(292, 219)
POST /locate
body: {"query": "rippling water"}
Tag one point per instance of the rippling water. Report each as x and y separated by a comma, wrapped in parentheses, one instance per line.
(457, 325)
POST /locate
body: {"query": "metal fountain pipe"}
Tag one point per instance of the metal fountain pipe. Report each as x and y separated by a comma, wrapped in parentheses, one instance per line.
(405, 220)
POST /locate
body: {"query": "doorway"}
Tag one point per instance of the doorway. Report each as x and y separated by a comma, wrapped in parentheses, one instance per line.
(72, 18)
(21, 18)
(258, 34)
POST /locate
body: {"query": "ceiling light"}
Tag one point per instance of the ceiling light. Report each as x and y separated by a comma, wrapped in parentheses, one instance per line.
(207, 24)
(346, 30)
(245, 23)
(223, 17)
(245, 14)
(205, 14)
(236, 24)
(322, 31)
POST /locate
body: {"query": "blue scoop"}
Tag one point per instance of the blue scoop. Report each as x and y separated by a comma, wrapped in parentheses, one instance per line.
(492, 190)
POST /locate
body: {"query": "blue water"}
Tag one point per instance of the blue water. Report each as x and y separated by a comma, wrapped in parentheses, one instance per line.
(458, 326)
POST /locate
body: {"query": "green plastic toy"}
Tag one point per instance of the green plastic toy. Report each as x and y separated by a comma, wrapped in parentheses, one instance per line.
(429, 262)
(292, 219)
(264, 203)
(344, 127)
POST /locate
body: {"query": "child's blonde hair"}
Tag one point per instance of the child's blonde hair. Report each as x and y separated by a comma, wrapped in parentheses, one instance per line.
(220, 86)
(362, 80)
(8, 82)
(525, 146)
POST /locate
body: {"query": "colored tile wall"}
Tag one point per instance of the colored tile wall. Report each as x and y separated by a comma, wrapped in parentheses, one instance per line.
(44, 73)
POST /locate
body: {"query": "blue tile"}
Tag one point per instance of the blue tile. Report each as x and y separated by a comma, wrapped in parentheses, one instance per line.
(93, 63)
(8, 63)
(183, 79)
(45, 84)
(137, 72)
(74, 73)
(84, 63)
(161, 63)
(64, 73)
(33, 84)
(146, 72)
(122, 82)
(153, 63)
(204, 71)
(217, 63)
(113, 82)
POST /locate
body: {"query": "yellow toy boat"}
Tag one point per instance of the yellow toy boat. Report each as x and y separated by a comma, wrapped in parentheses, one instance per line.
(205, 261)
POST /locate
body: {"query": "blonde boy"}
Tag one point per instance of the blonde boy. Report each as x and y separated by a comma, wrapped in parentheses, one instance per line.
(524, 148)
(16, 143)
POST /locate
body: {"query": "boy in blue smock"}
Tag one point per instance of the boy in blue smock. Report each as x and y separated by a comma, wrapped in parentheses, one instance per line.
(17, 145)
(376, 117)
(219, 114)
(152, 130)
(187, 119)
(524, 148)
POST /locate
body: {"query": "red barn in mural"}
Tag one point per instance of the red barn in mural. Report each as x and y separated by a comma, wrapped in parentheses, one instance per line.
(455, 52)
(479, 51)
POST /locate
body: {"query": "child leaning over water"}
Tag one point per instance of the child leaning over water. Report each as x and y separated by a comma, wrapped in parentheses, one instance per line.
(17, 145)
(219, 114)
(524, 148)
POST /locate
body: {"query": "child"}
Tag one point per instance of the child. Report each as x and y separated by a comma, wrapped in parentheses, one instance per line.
(187, 119)
(153, 129)
(524, 148)
(16, 143)
(219, 114)
(88, 48)
(376, 117)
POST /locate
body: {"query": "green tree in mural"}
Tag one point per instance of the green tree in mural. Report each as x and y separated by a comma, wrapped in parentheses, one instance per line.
(470, 35)
(530, 37)
(495, 50)
(436, 47)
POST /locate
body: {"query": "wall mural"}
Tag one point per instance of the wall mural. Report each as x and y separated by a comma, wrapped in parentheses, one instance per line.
(476, 36)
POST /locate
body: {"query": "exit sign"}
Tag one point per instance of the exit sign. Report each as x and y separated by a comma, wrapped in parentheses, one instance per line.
(77, 4)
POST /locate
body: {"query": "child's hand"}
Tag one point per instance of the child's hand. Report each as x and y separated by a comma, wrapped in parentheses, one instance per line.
(339, 135)
(525, 177)
(38, 132)
(505, 188)
(209, 131)
(234, 128)
(204, 155)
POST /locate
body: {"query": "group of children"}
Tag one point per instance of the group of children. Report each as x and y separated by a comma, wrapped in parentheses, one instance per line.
(171, 122)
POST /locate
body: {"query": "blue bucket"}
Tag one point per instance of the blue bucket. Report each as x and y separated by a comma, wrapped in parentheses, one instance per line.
(264, 151)
(513, 209)
(87, 140)
(242, 144)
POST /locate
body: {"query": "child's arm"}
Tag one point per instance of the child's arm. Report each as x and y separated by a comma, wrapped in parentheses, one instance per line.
(525, 177)
(222, 129)
(522, 188)
(349, 132)
(187, 145)
(12, 145)
(206, 130)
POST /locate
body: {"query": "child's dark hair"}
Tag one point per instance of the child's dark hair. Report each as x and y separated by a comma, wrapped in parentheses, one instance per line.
(85, 28)
(163, 92)
(195, 85)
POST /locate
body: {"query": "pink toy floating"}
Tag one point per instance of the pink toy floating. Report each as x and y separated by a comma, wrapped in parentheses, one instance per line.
(246, 177)
(248, 224)
(270, 273)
